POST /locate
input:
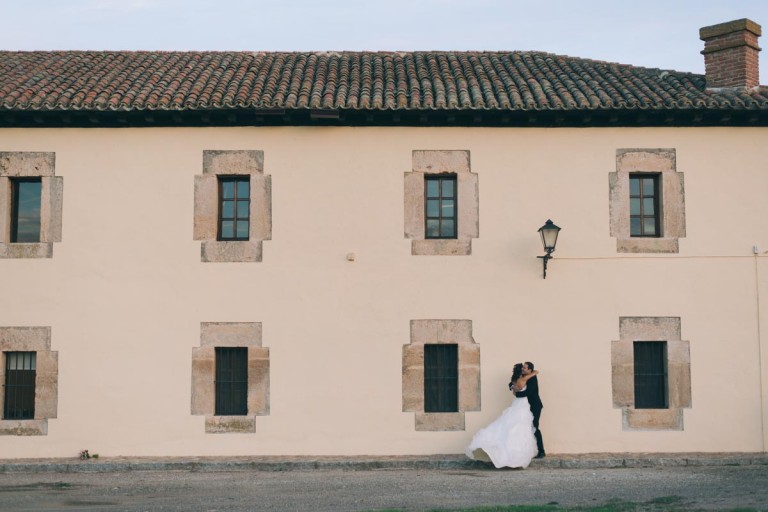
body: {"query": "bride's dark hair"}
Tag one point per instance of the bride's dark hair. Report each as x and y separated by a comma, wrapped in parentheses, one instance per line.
(517, 371)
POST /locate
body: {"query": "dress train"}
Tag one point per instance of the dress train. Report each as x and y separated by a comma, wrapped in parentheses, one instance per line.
(508, 441)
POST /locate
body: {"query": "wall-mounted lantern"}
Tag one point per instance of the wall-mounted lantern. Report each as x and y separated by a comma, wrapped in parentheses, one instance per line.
(548, 232)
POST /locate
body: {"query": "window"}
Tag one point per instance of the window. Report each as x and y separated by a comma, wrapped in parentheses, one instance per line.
(31, 204)
(230, 377)
(442, 203)
(440, 206)
(644, 212)
(651, 380)
(433, 388)
(234, 208)
(25, 216)
(20, 369)
(441, 378)
(231, 381)
(650, 374)
(646, 201)
(29, 377)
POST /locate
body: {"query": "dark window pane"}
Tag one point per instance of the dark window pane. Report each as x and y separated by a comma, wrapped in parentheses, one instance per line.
(448, 188)
(433, 228)
(433, 208)
(228, 210)
(242, 209)
(242, 229)
(228, 189)
(235, 208)
(441, 378)
(648, 186)
(26, 211)
(440, 206)
(243, 189)
(231, 381)
(227, 229)
(20, 375)
(433, 188)
(644, 205)
(447, 208)
(648, 207)
(649, 227)
(446, 229)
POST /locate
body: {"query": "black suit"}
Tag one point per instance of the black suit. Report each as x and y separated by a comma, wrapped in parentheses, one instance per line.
(532, 393)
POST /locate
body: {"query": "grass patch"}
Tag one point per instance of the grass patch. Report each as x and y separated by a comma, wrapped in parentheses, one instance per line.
(666, 500)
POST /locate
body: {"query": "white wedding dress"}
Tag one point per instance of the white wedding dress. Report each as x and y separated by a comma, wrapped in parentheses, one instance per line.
(509, 440)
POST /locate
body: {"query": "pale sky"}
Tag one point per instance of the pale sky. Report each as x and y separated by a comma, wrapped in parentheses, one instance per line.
(651, 33)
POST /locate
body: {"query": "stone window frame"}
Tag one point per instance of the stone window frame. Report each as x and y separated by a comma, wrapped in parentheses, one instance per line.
(456, 162)
(30, 164)
(38, 340)
(203, 403)
(436, 332)
(650, 328)
(206, 220)
(662, 161)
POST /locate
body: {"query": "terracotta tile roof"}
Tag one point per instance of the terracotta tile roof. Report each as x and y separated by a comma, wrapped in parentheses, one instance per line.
(359, 81)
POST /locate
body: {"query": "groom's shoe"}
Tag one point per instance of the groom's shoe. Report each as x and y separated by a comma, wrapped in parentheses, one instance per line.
(540, 455)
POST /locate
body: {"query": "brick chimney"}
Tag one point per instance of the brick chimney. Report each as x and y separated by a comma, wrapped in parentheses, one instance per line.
(731, 54)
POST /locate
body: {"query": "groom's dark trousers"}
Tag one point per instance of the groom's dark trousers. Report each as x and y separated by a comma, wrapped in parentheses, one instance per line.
(532, 393)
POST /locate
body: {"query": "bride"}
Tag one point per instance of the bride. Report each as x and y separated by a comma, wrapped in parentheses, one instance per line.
(509, 440)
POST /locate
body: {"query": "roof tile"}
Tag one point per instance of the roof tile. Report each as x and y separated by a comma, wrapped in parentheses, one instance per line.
(496, 81)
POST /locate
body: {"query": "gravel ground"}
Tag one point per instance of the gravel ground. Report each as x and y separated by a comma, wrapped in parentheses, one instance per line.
(705, 487)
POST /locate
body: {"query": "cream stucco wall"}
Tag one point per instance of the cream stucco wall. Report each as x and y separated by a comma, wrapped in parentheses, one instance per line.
(125, 292)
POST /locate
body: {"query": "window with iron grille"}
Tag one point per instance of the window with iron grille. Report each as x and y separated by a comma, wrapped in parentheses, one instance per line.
(25, 210)
(20, 370)
(234, 207)
(651, 375)
(441, 378)
(231, 381)
(440, 206)
(644, 215)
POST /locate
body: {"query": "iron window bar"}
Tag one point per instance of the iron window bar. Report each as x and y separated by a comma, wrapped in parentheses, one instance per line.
(20, 376)
(651, 375)
(231, 381)
(441, 378)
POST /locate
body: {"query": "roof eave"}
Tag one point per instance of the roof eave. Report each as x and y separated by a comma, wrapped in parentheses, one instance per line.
(354, 117)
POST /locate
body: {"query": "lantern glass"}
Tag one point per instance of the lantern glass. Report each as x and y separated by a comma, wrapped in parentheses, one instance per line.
(549, 232)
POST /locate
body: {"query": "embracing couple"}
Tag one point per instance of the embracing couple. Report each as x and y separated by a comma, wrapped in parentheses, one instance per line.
(514, 438)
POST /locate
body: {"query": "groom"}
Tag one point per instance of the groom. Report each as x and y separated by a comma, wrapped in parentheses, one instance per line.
(532, 393)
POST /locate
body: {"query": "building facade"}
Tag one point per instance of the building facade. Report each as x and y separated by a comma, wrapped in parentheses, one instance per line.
(336, 254)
